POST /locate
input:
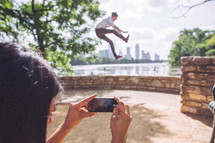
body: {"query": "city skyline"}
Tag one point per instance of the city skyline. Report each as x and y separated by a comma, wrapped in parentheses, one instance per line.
(139, 54)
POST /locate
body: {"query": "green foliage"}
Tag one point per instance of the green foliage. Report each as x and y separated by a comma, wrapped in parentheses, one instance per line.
(56, 28)
(6, 29)
(211, 46)
(194, 42)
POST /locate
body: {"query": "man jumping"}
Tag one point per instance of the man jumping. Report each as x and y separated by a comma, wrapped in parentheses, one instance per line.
(101, 30)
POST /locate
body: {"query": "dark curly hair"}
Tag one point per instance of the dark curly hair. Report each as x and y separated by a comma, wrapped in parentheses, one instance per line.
(27, 86)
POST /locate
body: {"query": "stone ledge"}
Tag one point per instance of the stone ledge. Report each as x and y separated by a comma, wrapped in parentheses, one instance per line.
(197, 80)
(165, 84)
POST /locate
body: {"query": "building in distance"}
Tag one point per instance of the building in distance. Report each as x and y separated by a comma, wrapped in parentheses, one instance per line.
(128, 55)
(137, 52)
(156, 57)
(146, 56)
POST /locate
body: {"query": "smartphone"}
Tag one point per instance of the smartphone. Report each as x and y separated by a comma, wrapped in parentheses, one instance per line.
(102, 105)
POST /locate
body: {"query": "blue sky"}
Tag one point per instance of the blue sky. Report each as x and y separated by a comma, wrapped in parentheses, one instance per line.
(152, 23)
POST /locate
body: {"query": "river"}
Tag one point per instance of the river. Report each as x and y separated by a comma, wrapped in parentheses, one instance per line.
(140, 69)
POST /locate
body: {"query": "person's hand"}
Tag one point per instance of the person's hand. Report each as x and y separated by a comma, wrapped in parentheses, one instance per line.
(77, 112)
(119, 31)
(120, 121)
(124, 31)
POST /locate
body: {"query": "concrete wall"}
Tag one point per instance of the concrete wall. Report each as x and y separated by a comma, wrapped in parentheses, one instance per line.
(197, 79)
(145, 83)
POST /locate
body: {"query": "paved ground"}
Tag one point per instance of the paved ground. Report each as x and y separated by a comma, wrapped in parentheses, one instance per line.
(156, 119)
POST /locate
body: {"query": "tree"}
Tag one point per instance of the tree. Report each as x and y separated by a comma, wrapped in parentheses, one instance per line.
(192, 43)
(58, 28)
(211, 46)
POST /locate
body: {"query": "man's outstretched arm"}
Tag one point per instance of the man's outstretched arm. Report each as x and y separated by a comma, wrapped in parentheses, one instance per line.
(119, 30)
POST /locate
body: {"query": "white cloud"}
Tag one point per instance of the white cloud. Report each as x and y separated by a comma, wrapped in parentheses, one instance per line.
(169, 34)
(156, 3)
(143, 34)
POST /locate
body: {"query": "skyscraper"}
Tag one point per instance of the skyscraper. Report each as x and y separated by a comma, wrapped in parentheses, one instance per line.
(146, 56)
(128, 56)
(157, 57)
(137, 52)
(128, 51)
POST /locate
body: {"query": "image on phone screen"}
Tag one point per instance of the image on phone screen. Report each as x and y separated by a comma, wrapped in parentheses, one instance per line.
(102, 105)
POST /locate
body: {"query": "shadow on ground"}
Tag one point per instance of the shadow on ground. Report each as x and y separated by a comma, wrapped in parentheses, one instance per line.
(208, 121)
(97, 129)
(144, 126)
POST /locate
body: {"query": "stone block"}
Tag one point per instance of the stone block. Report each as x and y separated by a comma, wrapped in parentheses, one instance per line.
(122, 79)
(205, 105)
(197, 97)
(141, 83)
(110, 80)
(186, 60)
(206, 75)
(170, 85)
(191, 104)
(213, 60)
(196, 89)
(201, 60)
(206, 90)
(133, 80)
(157, 83)
(191, 88)
(209, 98)
(184, 96)
(187, 109)
(147, 83)
(199, 82)
(189, 76)
(208, 69)
(187, 68)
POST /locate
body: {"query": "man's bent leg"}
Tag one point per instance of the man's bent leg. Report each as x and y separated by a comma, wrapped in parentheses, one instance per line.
(101, 32)
(110, 42)
(119, 35)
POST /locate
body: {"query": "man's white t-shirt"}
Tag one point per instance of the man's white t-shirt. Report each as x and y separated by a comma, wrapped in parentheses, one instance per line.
(107, 22)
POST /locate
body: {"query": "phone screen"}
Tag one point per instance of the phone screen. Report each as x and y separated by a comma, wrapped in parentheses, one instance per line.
(102, 105)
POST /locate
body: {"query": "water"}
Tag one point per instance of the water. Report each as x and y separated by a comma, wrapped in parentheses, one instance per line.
(146, 69)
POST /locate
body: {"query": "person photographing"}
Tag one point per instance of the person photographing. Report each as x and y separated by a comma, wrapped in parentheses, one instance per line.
(28, 93)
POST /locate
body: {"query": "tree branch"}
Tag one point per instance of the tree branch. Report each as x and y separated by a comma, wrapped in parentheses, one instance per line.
(189, 7)
(32, 6)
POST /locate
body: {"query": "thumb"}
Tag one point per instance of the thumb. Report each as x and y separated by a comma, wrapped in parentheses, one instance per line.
(90, 114)
(114, 115)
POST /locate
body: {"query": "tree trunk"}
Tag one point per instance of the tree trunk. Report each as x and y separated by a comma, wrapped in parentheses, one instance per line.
(42, 47)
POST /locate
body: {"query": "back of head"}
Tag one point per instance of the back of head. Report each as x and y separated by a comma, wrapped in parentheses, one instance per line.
(26, 89)
(114, 14)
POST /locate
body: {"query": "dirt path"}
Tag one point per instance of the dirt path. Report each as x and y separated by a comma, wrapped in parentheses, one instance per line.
(156, 119)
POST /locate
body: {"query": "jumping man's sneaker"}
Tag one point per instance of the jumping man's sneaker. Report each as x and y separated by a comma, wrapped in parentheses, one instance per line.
(117, 57)
(126, 39)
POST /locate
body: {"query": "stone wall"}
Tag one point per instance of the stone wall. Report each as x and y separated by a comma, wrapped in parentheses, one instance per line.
(145, 83)
(197, 79)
